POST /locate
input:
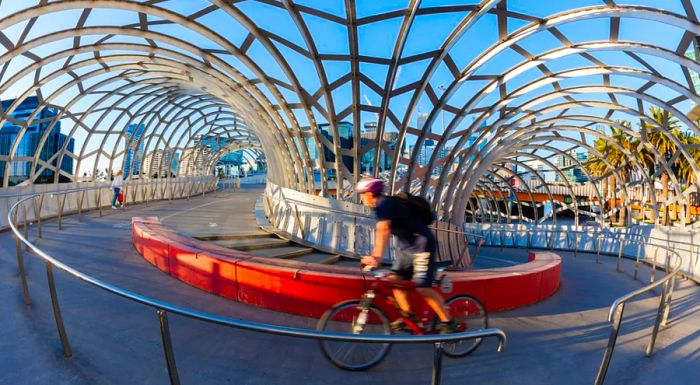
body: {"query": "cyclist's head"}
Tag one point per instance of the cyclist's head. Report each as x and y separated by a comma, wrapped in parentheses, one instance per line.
(370, 190)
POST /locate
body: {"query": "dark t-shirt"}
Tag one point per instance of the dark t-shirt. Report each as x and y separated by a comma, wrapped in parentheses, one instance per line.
(404, 225)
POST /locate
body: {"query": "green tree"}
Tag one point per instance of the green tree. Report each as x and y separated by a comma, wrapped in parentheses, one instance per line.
(683, 169)
(665, 145)
(613, 159)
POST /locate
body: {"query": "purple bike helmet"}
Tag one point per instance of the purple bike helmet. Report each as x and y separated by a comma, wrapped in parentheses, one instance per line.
(373, 185)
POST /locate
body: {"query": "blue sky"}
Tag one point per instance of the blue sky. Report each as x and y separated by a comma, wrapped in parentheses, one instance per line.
(376, 40)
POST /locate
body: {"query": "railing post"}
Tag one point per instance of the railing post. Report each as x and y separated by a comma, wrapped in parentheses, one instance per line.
(79, 202)
(667, 304)
(99, 200)
(637, 263)
(652, 275)
(25, 225)
(575, 244)
(20, 265)
(67, 351)
(619, 252)
(658, 321)
(59, 210)
(598, 247)
(437, 364)
(37, 214)
(168, 347)
(617, 320)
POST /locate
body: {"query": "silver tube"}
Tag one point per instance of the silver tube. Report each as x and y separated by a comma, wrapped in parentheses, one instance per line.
(20, 261)
(437, 364)
(603, 369)
(659, 316)
(67, 351)
(168, 347)
(25, 225)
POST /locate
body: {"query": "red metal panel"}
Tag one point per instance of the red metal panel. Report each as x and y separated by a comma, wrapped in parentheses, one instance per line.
(214, 274)
(272, 287)
(155, 250)
(318, 291)
(310, 289)
(550, 281)
(512, 291)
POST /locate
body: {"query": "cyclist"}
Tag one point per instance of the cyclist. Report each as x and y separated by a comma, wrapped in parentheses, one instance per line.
(415, 259)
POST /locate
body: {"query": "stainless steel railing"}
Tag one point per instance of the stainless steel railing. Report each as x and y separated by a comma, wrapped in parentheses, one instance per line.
(616, 312)
(169, 189)
(163, 308)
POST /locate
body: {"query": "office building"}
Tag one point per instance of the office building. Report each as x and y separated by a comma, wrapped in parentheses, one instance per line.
(134, 149)
(54, 143)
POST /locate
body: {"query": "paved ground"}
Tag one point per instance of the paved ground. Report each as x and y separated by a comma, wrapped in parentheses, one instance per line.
(557, 341)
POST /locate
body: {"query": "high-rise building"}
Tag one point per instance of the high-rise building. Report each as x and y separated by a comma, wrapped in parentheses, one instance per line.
(370, 130)
(158, 164)
(193, 161)
(579, 175)
(568, 167)
(134, 149)
(54, 143)
(694, 76)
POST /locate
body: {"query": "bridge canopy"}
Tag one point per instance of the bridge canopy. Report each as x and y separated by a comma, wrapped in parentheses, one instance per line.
(498, 111)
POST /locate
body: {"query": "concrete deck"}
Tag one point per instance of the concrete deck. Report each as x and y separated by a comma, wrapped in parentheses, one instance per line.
(559, 340)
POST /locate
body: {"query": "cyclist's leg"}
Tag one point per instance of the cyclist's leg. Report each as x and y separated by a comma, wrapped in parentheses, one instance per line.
(424, 274)
(401, 297)
(402, 267)
(435, 301)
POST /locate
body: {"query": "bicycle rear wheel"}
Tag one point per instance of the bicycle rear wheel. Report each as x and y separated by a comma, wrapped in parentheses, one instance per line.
(470, 314)
(346, 317)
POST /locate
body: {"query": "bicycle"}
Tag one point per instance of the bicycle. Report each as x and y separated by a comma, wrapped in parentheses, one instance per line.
(367, 316)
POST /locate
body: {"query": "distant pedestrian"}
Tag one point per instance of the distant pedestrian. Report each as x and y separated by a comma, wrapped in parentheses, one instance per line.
(117, 183)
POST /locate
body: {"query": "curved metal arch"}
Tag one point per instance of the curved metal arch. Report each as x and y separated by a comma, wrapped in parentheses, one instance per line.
(272, 114)
(173, 17)
(103, 57)
(47, 100)
(568, 16)
(615, 171)
(491, 86)
(611, 88)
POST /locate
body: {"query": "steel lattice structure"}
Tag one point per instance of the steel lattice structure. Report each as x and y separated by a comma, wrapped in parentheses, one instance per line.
(224, 68)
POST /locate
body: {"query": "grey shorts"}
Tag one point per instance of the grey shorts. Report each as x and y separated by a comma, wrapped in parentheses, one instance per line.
(413, 263)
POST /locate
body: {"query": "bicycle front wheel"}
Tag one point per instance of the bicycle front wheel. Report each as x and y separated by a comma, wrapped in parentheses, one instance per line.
(470, 314)
(348, 317)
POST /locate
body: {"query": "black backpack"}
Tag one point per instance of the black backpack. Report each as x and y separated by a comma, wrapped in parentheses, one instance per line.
(418, 206)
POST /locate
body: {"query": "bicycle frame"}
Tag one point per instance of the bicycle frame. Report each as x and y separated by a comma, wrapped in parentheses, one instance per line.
(382, 289)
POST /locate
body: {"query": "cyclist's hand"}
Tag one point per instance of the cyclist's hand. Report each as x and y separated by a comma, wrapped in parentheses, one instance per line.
(369, 261)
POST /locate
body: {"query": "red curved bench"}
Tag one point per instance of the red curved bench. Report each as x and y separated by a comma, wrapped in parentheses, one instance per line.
(309, 289)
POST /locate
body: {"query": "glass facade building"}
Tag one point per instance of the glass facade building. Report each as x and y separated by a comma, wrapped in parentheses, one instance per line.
(21, 167)
(134, 149)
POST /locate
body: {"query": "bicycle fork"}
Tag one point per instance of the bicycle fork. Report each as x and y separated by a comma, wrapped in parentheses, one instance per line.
(361, 320)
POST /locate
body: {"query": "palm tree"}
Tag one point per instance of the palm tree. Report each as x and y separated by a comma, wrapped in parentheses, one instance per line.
(684, 170)
(623, 163)
(595, 165)
(664, 145)
(619, 161)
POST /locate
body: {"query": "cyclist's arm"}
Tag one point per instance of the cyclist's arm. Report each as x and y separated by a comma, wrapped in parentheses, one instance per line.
(381, 238)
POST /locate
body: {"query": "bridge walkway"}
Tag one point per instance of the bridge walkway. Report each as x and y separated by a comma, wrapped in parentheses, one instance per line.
(559, 340)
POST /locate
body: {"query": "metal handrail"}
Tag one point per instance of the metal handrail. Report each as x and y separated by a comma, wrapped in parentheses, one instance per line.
(366, 216)
(162, 309)
(84, 189)
(615, 314)
(103, 185)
